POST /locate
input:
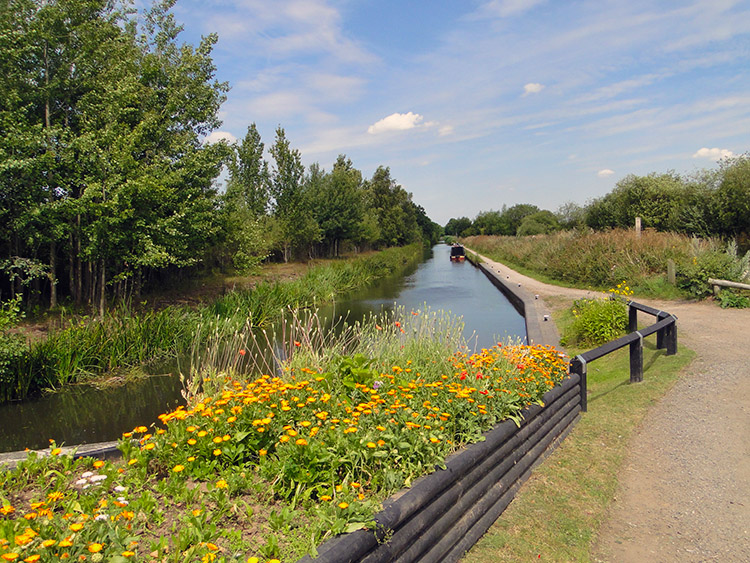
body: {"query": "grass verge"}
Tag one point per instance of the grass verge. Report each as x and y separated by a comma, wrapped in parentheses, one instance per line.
(557, 513)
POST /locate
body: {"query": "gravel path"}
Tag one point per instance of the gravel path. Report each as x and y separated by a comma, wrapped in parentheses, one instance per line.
(685, 486)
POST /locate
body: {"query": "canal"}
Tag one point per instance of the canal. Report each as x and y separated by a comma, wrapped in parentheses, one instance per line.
(82, 414)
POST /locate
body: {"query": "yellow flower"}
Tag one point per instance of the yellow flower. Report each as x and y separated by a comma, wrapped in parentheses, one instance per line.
(10, 556)
(98, 463)
(133, 461)
(221, 484)
(343, 505)
(65, 543)
(217, 440)
(140, 429)
(128, 553)
(372, 445)
(56, 451)
(149, 446)
(32, 558)
(301, 442)
(77, 527)
(217, 452)
(95, 547)
(192, 441)
(253, 560)
(284, 439)
(178, 468)
(48, 543)
(191, 458)
(325, 497)
(262, 452)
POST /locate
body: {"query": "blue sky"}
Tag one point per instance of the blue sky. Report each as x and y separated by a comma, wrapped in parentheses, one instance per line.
(474, 104)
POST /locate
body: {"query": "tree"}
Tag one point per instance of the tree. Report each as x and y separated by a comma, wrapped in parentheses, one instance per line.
(393, 207)
(297, 227)
(336, 202)
(733, 195)
(457, 227)
(248, 175)
(539, 223)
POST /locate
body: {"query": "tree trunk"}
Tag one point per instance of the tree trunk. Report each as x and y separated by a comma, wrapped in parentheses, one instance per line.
(102, 289)
(52, 275)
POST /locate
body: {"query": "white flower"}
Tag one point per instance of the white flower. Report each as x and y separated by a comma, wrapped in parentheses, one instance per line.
(120, 489)
(81, 481)
(122, 500)
(87, 474)
(101, 517)
(97, 478)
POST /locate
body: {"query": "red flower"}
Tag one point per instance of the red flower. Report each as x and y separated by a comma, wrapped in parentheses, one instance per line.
(242, 352)
(296, 343)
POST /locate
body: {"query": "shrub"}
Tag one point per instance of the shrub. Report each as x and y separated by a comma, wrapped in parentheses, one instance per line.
(597, 321)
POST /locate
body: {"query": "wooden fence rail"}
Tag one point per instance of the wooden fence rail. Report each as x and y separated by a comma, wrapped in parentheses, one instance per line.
(666, 337)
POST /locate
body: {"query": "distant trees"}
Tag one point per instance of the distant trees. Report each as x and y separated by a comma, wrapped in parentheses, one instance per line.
(708, 203)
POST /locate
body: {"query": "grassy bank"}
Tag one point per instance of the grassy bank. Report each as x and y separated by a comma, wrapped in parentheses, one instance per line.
(601, 260)
(124, 339)
(558, 512)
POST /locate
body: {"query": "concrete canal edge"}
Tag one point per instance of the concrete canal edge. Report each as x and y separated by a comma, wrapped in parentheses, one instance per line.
(101, 450)
(540, 329)
(446, 512)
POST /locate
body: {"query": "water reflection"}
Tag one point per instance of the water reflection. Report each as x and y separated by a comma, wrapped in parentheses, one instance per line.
(83, 414)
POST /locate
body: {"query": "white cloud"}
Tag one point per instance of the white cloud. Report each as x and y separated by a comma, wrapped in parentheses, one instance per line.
(506, 8)
(396, 122)
(445, 130)
(216, 136)
(713, 154)
(605, 173)
(532, 88)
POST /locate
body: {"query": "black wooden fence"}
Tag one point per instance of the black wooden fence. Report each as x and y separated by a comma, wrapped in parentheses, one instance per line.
(665, 328)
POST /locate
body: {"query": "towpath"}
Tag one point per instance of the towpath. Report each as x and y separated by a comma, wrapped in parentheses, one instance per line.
(684, 490)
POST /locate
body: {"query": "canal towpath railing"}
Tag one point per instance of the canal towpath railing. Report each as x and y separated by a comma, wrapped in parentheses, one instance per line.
(665, 328)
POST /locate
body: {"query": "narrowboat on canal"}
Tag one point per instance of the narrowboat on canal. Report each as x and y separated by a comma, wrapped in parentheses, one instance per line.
(457, 253)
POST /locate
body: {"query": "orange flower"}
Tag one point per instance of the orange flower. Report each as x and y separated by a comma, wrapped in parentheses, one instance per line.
(95, 547)
(178, 468)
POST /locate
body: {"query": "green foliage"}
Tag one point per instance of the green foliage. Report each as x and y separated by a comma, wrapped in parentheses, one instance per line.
(597, 321)
(13, 347)
(709, 261)
(729, 298)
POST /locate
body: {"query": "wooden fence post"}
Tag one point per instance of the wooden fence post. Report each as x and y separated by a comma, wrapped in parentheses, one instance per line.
(671, 337)
(636, 359)
(661, 334)
(671, 274)
(578, 365)
(632, 318)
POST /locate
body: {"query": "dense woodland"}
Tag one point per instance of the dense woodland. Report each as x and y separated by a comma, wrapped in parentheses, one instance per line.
(107, 183)
(709, 203)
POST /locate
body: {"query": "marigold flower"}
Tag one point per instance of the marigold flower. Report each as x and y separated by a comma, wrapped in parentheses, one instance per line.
(32, 558)
(325, 497)
(217, 440)
(10, 556)
(221, 484)
(98, 464)
(178, 468)
(56, 451)
(95, 547)
(343, 505)
(149, 446)
(262, 452)
(191, 458)
(133, 461)
(192, 441)
(48, 543)
(65, 543)
(128, 553)
(217, 452)
(301, 442)
(77, 527)
(140, 429)
(371, 445)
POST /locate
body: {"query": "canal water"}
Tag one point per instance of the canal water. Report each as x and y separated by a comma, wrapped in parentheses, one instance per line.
(82, 414)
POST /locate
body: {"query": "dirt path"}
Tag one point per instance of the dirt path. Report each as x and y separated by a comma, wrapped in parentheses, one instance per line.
(685, 486)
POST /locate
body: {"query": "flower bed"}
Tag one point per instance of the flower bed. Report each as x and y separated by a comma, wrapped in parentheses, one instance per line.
(272, 466)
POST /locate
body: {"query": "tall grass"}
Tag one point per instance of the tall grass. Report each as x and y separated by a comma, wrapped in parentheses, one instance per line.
(604, 259)
(123, 339)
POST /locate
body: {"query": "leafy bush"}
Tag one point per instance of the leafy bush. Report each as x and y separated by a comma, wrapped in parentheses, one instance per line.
(12, 347)
(731, 299)
(710, 261)
(597, 321)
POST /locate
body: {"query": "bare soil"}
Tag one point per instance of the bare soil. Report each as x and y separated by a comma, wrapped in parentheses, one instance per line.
(684, 490)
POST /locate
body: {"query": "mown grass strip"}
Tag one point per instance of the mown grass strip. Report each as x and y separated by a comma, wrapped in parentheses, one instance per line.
(557, 514)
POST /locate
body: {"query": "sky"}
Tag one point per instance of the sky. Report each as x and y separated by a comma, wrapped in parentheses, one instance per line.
(476, 104)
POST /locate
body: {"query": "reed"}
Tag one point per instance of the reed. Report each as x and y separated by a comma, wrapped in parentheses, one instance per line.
(123, 339)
